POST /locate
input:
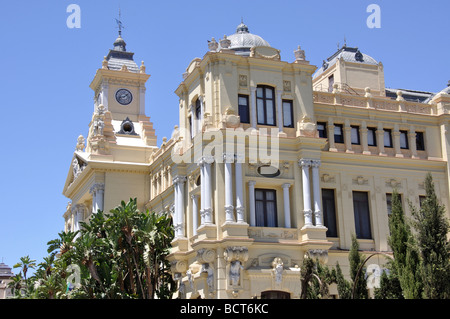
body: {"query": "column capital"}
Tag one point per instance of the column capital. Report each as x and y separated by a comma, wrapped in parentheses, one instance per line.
(228, 157)
(286, 185)
(239, 158)
(205, 160)
(315, 163)
(194, 196)
(96, 187)
(179, 179)
(304, 162)
(251, 183)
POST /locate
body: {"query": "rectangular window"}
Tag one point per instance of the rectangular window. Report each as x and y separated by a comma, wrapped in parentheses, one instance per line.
(422, 198)
(371, 136)
(338, 133)
(330, 83)
(288, 115)
(329, 212)
(387, 138)
(420, 142)
(244, 109)
(404, 140)
(355, 135)
(389, 202)
(265, 103)
(322, 129)
(266, 208)
(362, 215)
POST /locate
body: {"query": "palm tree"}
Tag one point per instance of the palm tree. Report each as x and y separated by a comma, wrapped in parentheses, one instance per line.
(25, 263)
(16, 284)
(62, 244)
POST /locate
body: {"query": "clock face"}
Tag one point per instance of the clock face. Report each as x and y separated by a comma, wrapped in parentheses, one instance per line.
(123, 96)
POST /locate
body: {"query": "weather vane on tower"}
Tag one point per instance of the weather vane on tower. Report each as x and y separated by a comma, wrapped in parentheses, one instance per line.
(119, 23)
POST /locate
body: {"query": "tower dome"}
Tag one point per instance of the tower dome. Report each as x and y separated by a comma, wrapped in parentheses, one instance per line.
(243, 40)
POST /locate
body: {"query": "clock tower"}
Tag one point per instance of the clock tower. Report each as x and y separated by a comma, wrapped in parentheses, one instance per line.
(112, 163)
(119, 103)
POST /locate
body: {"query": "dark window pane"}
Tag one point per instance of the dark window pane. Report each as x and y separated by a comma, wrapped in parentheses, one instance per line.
(266, 208)
(288, 114)
(338, 133)
(420, 142)
(329, 212)
(371, 136)
(355, 135)
(244, 110)
(265, 104)
(387, 138)
(404, 140)
(322, 129)
(362, 215)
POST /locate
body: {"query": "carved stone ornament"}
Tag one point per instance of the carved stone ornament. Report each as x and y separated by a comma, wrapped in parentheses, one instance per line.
(77, 167)
(277, 270)
(80, 144)
(243, 80)
(206, 255)
(287, 86)
(213, 45)
(307, 127)
(230, 119)
(265, 53)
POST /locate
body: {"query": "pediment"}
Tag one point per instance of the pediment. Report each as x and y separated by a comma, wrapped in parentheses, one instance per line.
(77, 166)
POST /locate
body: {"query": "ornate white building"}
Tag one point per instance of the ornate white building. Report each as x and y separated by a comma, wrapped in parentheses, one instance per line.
(271, 160)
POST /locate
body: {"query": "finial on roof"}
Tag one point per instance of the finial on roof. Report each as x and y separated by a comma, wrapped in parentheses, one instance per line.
(119, 44)
(242, 28)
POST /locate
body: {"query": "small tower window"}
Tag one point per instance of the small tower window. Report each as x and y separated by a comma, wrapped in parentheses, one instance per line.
(127, 127)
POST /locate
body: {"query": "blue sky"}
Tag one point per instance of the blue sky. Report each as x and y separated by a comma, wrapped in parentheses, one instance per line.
(47, 68)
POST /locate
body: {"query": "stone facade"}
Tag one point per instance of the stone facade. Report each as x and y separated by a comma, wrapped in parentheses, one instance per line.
(265, 165)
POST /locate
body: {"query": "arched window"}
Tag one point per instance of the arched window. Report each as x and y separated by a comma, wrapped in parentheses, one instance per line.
(265, 105)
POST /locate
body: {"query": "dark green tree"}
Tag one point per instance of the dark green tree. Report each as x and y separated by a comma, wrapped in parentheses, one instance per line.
(432, 226)
(357, 273)
(344, 287)
(405, 266)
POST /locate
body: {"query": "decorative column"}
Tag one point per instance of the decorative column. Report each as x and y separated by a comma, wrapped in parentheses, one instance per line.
(305, 164)
(229, 208)
(178, 182)
(239, 189)
(194, 214)
(193, 121)
(316, 190)
(202, 191)
(396, 141)
(253, 107)
(142, 100)
(280, 110)
(412, 141)
(287, 207)
(207, 195)
(332, 146)
(251, 198)
(380, 139)
(364, 142)
(348, 137)
(97, 191)
(105, 88)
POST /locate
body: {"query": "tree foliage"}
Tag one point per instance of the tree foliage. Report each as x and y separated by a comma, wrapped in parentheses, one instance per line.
(116, 255)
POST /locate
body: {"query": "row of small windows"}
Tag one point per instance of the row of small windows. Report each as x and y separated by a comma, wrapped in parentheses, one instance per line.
(371, 136)
(266, 211)
(265, 108)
